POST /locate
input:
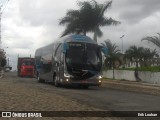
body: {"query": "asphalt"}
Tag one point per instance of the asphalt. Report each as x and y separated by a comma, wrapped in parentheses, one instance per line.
(131, 86)
(153, 89)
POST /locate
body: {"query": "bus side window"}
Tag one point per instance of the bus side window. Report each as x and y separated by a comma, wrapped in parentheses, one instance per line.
(47, 67)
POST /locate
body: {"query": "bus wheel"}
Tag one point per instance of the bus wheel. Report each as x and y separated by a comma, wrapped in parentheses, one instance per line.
(39, 79)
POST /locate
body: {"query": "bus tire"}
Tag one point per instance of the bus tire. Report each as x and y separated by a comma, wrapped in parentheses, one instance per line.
(39, 79)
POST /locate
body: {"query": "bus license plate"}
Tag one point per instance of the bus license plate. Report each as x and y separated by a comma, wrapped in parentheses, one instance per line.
(84, 81)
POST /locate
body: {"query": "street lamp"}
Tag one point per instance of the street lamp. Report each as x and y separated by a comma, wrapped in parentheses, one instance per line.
(122, 42)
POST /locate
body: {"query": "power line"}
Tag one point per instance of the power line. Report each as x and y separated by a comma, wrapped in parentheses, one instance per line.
(1, 3)
(5, 4)
(2, 8)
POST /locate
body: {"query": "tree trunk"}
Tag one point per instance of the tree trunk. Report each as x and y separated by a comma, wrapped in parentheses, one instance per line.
(113, 70)
(95, 35)
(136, 73)
(136, 65)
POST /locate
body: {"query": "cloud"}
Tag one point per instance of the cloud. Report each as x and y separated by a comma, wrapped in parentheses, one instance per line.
(133, 11)
(46, 12)
(30, 24)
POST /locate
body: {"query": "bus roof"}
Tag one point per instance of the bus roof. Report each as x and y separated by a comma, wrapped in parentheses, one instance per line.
(69, 38)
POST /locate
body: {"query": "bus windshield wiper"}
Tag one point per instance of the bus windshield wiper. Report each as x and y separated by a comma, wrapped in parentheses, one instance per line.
(84, 72)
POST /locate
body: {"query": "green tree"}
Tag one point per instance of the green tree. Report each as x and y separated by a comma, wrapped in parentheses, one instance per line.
(134, 54)
(88, 18)
(146, 55)
(140, 55)
(2, 58)
(113, 54)
(74, 22)
(153, 39)
(3, 62)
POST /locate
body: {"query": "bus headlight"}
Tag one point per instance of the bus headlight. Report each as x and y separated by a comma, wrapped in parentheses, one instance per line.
(100, 77)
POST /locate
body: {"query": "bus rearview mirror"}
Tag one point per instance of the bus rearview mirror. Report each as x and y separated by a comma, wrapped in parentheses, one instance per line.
(104, 50)
(65, 47)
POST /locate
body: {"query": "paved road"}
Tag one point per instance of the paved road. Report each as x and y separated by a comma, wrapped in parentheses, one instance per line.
(102, 97)
(110, 99)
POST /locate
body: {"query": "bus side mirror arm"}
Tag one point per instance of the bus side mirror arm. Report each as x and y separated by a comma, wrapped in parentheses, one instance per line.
(104, 50)
(65, 47)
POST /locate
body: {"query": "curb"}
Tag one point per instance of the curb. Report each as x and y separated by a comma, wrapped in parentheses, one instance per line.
(132, 86)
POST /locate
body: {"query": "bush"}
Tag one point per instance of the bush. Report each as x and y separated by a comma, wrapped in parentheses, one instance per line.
(3, 62)
(152, 69)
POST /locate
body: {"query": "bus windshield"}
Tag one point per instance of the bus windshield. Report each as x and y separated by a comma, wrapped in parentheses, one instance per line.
(84, 56)
(27, 63)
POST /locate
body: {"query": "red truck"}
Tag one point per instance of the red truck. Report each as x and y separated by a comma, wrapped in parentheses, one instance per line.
(26, 66)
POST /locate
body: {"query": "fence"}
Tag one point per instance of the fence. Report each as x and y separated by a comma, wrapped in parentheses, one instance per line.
(145, 76)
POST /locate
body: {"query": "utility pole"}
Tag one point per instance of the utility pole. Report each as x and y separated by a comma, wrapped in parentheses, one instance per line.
(0, 26)
(122, 42)
(3, 5)
(122, 51)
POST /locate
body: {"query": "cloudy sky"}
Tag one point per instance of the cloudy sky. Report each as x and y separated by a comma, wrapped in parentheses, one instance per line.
(30, 24)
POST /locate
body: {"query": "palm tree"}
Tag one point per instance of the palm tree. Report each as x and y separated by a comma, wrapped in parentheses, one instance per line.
(75, 23)
(147, 55)
(89, 18)
(96, 17)
(113, 54)
(134, 54)
(3, 62)
(140, 55)
(153, 39)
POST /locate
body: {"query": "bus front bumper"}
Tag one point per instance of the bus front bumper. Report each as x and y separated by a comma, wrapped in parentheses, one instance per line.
(89, 82)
